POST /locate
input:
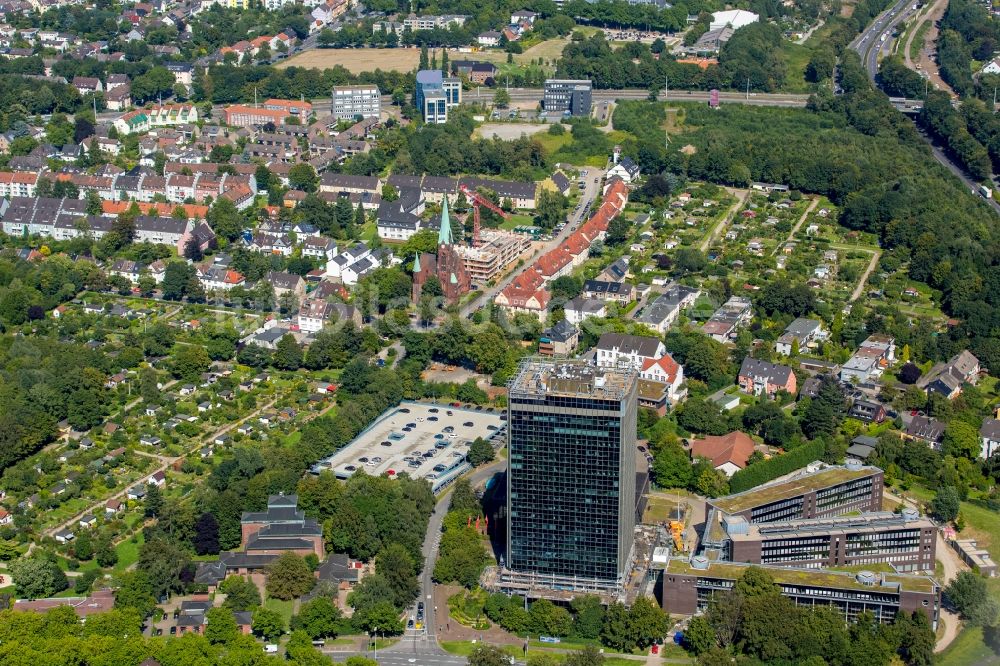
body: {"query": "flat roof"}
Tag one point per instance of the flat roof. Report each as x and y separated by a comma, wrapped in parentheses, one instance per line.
(537, 378)
(792, 487)
(876, 521)
(813, 577)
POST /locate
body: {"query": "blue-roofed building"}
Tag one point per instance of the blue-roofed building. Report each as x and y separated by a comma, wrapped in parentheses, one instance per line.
(436, 94)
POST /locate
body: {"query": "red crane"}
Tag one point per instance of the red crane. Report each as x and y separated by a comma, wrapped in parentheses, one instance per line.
(477, 200)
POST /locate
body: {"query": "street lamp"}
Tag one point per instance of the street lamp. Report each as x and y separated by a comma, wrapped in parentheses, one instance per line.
(375, 632)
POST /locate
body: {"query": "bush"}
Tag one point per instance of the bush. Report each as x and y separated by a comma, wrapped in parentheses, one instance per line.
(762, 472)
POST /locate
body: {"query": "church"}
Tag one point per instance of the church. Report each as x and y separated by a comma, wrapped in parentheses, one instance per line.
(447, 264)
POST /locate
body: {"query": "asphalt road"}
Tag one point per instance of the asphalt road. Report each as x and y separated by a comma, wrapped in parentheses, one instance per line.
(573, 220)
(422, 645)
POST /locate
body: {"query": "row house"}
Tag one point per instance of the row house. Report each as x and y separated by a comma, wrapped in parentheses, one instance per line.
(36, 216)
(319, 247)
(342, 182)
(165, 115)
(728, 319)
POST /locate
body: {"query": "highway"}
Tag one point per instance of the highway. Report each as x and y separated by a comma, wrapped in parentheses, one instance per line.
(869, 46)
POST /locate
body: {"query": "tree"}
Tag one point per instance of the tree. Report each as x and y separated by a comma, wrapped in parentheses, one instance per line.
(206, 538)
(381, 616)
(909, 374)
(289, 577)
(970, 596)
(548, 619)
(190, 361)
(615, 633)
(501, 98)
(192, 250)
(135, 591)
(153, 504)
(671, 466)
(489, 655)
(220, 626)
(225, 219)
(699, 637)
(287, 354)
(268, 624)
(647, 622)
(396, 565)
(36, 577)
(946, 504)
(302, 176)
(961, 440)
(480, 452)
(588, 616)
(241, 593)
(176, 278)
(318, 617)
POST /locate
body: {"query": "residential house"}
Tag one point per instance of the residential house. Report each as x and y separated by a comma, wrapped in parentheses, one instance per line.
(758, 377)
(989, 438)
(665, 370)
(616, 349)
(948, 378)
(663, 311)
(560, 339)
(728, 319)
(286, 283)
(626, 169)
(728, 453)
(870, 360)
(867, 411)
(618, 292)
(925, 429)
(799, 335)
(580, 308)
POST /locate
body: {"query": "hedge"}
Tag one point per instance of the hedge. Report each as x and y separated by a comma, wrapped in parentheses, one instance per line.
(764, 471)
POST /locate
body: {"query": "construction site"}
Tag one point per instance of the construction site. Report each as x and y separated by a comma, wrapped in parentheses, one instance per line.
(497, 250)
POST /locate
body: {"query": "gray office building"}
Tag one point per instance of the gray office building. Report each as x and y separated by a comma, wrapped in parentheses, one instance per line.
(350, 102)
(573, 95)
(571, 478)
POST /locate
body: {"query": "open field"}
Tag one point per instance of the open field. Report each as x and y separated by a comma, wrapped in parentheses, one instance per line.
(356, 60)
(407, 59)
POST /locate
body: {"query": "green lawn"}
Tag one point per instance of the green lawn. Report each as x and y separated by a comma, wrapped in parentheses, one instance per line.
(968, 648)
(283, 607)
(984, 526)
(128, 552)
(797, 56)
(465, 648)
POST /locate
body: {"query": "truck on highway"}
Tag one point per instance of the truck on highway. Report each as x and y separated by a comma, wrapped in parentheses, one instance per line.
(985, 192)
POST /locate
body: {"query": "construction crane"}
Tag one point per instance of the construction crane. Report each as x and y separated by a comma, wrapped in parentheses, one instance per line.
(477, 200)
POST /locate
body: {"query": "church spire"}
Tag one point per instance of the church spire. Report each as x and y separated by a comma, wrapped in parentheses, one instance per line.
(444, 233)
(416, 263)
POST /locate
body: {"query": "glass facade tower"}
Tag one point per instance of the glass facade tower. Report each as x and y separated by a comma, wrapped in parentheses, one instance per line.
(572, 465)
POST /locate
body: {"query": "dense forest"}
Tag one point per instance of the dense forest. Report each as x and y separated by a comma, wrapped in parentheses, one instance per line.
(967, 33)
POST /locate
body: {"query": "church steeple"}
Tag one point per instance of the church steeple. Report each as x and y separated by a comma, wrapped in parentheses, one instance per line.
(444, 233)
(416, 263)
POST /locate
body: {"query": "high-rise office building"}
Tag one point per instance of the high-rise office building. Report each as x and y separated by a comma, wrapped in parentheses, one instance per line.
(436, 94)
(573, 95)
(571, 478)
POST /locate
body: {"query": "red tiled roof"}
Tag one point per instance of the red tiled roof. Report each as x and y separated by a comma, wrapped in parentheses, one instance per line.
(735, 448)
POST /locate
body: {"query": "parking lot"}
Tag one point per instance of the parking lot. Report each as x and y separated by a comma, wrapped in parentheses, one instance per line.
(422, 439)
